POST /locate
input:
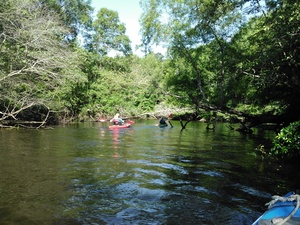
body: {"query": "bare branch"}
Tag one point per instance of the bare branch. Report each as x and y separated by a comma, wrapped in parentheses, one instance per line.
(36, 59)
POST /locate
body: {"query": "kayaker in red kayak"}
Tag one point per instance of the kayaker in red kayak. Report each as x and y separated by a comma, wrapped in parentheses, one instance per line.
(117, 120)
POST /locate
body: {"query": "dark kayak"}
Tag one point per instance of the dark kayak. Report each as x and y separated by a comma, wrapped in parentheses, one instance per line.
(163, 125)
(282, 210)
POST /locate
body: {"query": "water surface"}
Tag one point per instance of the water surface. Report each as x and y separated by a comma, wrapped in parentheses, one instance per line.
(87, 174)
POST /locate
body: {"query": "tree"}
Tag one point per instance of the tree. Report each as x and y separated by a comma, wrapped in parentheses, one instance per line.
(34, 57)
(109, 34)
(279, 76)
(253, 52)
(130, 85)
(268, 61)
(185, 27)
(75, 14)
(287, 142)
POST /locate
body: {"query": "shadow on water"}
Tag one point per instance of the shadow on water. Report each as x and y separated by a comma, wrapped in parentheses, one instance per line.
(88, 174)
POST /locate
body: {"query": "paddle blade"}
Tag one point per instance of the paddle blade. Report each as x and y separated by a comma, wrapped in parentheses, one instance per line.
(130, 121)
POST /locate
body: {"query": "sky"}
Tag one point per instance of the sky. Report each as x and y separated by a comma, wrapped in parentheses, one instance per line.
(129, 13)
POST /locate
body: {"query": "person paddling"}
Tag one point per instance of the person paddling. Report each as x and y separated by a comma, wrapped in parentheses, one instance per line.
(163, 121)
(117, 120)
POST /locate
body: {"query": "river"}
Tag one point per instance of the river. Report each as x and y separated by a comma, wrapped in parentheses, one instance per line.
(84, 174)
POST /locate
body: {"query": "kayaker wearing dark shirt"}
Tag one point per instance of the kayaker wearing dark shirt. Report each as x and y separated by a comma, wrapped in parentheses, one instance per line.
(163, 121)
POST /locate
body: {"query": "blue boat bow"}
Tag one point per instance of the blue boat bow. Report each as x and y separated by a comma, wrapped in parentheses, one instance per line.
(281, 210)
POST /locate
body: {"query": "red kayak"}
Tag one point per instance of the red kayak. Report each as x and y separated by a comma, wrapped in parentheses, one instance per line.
(101, 120)
(124, 125)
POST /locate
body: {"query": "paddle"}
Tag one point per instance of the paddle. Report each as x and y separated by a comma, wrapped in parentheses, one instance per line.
(130, 121)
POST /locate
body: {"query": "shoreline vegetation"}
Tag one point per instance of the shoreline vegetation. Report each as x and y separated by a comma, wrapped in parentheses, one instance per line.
(238, 64)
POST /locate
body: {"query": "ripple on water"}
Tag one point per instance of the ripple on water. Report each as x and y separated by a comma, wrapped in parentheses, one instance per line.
(209, 173)
(251, 190)
(163, 165)
(151, 172)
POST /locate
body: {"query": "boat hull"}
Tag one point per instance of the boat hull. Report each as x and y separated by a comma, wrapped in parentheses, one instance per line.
(163, 125)
(280, 210)
(120, 126)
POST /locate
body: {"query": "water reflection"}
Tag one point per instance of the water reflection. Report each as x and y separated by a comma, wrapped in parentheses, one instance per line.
(116, 136)
(88, 174)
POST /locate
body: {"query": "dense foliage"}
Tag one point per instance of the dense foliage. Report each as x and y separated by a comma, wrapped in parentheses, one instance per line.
(234, 54)
(58, 61)
(35, 60)
(287, 142)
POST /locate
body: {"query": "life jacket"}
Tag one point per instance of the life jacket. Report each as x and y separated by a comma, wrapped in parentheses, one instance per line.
(162, 121)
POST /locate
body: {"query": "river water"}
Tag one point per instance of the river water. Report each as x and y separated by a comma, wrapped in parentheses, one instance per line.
(87, 174)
